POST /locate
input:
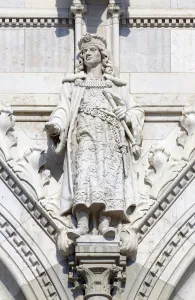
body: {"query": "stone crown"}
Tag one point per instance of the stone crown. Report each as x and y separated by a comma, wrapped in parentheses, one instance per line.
(92, 39)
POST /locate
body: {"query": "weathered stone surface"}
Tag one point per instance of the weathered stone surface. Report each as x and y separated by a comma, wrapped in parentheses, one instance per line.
(49, 50)
(12, 50)
(12, 3)
(150, 4)
(48, 3)
(145, 50)
(39, 83)
(182, 4)
(182, 58)
(173, 83)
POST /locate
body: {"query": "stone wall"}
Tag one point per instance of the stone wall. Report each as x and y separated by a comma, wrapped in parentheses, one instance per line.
(35, 55)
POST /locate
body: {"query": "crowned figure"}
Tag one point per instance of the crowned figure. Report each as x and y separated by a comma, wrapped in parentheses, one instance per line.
(99, 128)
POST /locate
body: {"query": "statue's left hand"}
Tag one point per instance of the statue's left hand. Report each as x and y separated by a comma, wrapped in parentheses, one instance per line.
(120, 112)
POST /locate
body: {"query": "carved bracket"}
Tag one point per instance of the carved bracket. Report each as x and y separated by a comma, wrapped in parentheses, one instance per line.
(98, 270)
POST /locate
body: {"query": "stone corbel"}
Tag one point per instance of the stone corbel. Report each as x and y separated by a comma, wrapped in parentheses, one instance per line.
(78, 9)
(98, 271)
(115, 9)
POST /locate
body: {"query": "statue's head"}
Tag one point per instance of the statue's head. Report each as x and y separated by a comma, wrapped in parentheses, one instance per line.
(93, 51)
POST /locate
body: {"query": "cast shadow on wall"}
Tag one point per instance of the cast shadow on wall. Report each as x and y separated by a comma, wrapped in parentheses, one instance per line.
(63, 7)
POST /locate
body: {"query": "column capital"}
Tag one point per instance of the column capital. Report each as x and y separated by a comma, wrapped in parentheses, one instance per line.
(115, 8)
(78, 8)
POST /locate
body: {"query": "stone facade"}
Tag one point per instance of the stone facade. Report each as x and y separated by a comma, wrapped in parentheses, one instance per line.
(151, 44)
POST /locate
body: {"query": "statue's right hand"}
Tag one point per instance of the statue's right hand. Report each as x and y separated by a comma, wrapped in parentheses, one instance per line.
(52, 128)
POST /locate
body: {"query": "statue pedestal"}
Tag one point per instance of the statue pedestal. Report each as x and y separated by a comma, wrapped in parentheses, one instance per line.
(98, 269)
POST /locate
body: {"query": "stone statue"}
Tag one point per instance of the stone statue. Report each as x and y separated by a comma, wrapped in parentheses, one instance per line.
(99, 127)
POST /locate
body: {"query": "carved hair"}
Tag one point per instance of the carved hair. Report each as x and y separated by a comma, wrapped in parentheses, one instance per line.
(107, 65)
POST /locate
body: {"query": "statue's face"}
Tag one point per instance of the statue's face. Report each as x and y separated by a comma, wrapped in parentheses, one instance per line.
(92, 56)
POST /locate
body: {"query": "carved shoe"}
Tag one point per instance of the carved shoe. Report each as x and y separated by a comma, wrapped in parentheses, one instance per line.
(109, 232)
(82, 226)
(104, 227)
(74, 234)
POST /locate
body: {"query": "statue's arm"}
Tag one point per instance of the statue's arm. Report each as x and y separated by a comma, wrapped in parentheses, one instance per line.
(58, 124)
(134, 115)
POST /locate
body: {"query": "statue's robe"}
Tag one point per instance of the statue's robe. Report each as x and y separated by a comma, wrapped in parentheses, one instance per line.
(65, 115)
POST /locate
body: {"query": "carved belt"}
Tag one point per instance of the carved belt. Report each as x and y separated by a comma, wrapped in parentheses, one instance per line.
(97, 112)
(105, 116)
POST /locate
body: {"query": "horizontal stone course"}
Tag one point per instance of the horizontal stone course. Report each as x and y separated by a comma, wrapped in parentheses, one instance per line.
(140, 83)
(30, 83)
(173, 83)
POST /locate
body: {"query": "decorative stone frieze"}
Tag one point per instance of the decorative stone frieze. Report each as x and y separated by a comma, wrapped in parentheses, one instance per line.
(152, 22)
(159, 18)
(36, 22)
(34, 18)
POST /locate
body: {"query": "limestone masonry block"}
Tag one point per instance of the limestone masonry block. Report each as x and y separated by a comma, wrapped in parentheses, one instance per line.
(149, 50)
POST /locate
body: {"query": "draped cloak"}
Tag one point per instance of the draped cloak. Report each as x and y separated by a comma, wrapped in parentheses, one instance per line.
(66, 115)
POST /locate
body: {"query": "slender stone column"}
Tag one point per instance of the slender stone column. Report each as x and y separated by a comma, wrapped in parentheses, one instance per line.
(115, 11)
(78, 10)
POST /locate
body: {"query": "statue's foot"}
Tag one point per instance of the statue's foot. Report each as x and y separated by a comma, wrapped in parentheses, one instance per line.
(73, 234)
(109, 232)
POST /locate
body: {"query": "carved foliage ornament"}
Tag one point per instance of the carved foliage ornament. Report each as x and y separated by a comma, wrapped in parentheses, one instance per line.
(164, 167)
(7, 137)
